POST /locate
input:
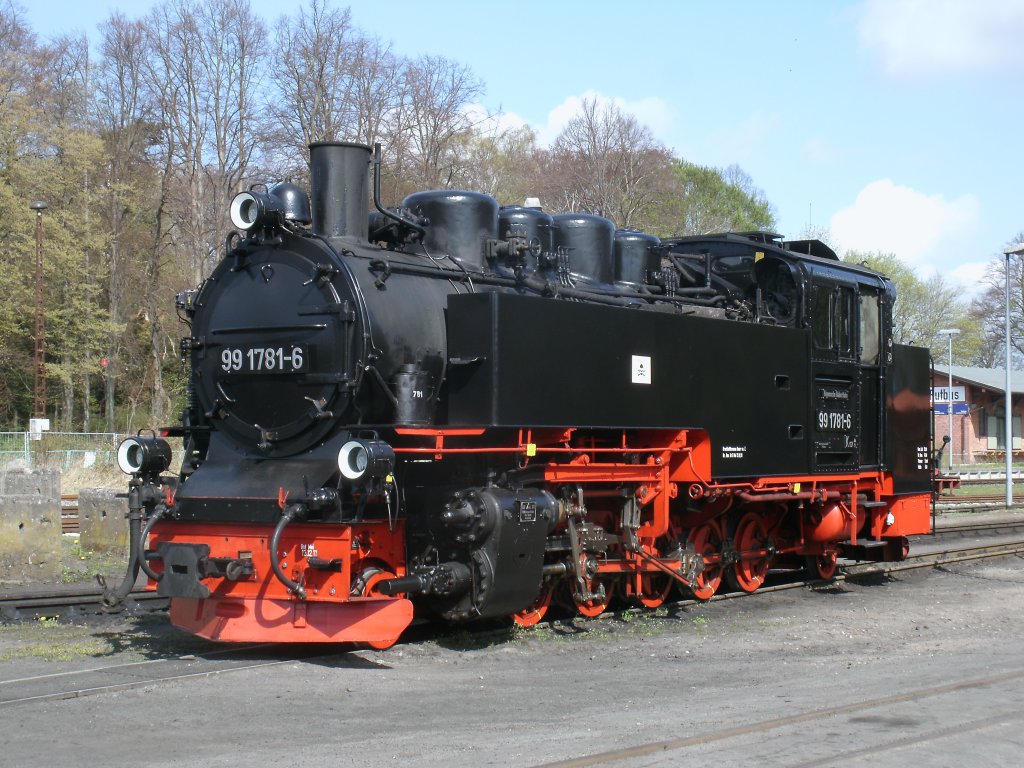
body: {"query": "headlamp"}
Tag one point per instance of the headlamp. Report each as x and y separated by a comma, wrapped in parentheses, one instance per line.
(359, 459)
(250, 210)
(141, 455)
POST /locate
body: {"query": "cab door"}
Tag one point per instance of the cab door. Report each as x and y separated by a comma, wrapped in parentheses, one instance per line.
(837, 381)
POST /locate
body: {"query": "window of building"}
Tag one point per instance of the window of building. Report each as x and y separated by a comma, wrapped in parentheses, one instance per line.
(997, 432)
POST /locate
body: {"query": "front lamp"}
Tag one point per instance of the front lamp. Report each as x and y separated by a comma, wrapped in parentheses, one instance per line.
(250, 210)
(141, 455)
(359, 459)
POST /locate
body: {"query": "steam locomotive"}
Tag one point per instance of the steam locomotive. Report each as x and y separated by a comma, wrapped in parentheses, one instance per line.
(477, 411)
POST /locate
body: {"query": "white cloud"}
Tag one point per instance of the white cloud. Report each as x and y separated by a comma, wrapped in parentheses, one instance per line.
(653, 112)
(915, 226)
(970, 276)
(493, 124)
(932, 37)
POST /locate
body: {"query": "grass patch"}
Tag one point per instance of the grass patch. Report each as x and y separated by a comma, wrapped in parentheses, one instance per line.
(49, 640)
(81, 565)
(981, 489)
(99, 476)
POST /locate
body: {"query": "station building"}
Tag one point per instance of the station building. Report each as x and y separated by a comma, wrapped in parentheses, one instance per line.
(978, 402)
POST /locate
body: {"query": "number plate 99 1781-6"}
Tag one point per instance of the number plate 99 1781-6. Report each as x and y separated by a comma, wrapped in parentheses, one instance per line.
(834, 421)
(291, 358)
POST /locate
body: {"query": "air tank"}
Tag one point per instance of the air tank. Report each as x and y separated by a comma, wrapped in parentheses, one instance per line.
(588, 239)
(637, 255)
(531, 223)
(459, 223)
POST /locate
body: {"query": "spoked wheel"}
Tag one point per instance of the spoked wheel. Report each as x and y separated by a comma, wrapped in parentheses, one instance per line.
(533, 613)
(707, 542)
(371, 578)
(748, 573)
(597, 605)
(649, 588)
(600, 589)
(654, 589)
(823, 566)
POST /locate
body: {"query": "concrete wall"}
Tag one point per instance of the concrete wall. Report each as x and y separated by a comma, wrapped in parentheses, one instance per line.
(102, 523)
(30, 529)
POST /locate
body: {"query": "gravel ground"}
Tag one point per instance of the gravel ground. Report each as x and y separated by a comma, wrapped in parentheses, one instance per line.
(715, 675)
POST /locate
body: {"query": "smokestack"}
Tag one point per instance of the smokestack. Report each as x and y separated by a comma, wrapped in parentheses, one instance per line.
(339, 175)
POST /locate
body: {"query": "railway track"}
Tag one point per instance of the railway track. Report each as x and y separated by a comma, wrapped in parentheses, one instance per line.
(141, 674)
(49, 603)
(69, 602)
(986, 500)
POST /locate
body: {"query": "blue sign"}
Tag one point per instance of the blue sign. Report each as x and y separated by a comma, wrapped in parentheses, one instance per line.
(959, 409)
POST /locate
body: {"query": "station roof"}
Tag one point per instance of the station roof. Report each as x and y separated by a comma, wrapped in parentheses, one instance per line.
(993, 379)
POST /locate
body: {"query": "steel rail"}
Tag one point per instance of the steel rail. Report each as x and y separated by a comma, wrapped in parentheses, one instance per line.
(765, 726)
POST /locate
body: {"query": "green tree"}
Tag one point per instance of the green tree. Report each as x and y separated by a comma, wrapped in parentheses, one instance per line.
(705, 200)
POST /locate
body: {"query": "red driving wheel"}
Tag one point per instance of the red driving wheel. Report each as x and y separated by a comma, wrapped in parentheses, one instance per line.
(707, 542)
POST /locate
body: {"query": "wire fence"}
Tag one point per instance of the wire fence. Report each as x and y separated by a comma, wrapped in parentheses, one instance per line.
(58, 450)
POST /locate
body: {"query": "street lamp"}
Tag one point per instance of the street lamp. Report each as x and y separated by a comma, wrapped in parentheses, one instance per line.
(950, 332)
(1010, 250)
(39, 390)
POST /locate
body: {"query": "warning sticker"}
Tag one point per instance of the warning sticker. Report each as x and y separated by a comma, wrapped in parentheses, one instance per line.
(641, 369)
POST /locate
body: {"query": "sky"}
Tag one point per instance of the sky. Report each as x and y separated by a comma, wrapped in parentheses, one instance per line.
(894, 124)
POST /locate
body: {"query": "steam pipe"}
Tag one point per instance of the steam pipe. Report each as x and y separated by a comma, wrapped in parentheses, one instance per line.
(138, 496)
(112, 598)
(683, 269)
(596, 295)
(290, 513)
(159, 512)
(802, 495)
(376, 197)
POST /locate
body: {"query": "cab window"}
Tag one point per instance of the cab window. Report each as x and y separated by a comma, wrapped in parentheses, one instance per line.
(870, 329)
(822, 317)
(833, 319)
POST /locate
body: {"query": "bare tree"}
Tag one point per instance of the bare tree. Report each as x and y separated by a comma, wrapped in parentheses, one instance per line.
(989, 309)
(433, 124)
(203, 70)
(609, 163)
(314, 76)
(126, 121)
(376, 88)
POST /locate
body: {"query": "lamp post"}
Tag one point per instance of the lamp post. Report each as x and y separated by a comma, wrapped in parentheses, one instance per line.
(950, 332)
(39, 390)
(1009, 251)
